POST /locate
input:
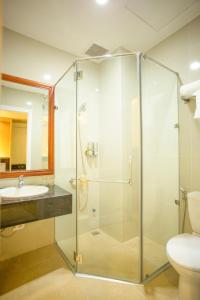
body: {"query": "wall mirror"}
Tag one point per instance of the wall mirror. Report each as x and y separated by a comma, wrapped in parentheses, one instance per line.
(26, 127)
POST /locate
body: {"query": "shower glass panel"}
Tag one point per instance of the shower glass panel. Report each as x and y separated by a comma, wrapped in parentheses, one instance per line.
(117, 152)
(160, 162)
(108, 167)
(65, 160)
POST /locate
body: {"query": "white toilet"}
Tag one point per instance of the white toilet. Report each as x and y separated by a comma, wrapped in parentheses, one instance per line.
(183, 252)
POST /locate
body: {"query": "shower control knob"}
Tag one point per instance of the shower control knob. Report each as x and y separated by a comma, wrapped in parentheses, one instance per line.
(92, 150)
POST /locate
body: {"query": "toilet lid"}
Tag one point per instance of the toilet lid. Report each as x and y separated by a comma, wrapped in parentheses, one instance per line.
(184, 250)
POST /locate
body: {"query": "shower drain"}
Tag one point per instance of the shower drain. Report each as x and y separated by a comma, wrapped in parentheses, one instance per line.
(95, 232)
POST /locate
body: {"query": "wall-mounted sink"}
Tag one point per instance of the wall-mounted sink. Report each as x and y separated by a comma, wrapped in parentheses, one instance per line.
(23, 192)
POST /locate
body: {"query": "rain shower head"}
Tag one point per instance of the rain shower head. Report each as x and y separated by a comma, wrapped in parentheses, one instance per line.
(96, 50)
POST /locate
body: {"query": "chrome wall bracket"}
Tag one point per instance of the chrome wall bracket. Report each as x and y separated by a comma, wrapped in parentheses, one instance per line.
(78, 75)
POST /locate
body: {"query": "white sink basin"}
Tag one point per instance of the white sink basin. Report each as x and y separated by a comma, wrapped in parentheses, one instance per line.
(23, 192)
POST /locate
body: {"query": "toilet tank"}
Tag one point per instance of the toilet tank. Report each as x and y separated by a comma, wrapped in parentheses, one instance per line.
(194, 210)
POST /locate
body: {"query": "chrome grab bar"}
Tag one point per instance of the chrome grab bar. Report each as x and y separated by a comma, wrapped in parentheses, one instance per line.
(109, 181)
(129, 181)
(72, 180)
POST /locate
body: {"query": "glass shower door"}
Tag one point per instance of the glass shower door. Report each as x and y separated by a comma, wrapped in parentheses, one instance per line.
(65, 160)
(108, 167)
(160, 153)
(124, 194)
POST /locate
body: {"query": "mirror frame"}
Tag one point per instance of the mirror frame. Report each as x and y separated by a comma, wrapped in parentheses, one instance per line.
(50, 89)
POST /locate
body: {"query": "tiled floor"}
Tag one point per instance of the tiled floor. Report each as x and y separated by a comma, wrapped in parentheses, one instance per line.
(106, 256)
(43, 275)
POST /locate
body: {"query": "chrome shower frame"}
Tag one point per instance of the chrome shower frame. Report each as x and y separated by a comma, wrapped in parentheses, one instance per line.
(139, 57)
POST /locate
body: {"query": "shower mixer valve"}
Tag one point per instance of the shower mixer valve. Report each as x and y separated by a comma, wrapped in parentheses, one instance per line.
(92, 149)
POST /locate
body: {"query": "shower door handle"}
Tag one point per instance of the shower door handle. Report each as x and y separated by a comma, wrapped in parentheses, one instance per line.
(130, 181)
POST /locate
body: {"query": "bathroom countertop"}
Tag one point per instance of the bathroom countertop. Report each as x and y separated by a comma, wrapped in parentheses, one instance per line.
(56, 202)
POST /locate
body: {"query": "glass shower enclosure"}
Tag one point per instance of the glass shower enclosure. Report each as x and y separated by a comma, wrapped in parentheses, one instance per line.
(116, 151)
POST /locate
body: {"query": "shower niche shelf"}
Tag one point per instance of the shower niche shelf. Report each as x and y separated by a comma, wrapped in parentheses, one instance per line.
(56, 202)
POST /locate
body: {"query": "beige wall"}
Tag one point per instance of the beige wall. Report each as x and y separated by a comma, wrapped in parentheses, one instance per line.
(5, 138)
(25, 57)
(31, 59)
(18, 147)
(178, 52)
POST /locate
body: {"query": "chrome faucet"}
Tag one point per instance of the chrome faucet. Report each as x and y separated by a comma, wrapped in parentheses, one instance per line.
(20, 181)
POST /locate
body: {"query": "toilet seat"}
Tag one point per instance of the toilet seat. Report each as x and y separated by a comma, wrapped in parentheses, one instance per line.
(184, 250)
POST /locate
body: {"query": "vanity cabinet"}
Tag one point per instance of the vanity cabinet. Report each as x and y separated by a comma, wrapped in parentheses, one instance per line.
(56, 202)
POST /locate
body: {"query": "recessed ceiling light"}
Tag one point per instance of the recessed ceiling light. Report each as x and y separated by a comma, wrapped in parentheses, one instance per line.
(47, 77)
(195, 65)
(101, 2)
(29, 103)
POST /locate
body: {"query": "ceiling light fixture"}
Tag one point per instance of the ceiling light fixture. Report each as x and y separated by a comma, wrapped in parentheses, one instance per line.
(101, 2)
(29, 103)
(195, 65)
(47, 77)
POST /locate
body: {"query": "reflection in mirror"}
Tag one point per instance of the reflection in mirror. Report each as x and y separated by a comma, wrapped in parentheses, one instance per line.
(23, 127)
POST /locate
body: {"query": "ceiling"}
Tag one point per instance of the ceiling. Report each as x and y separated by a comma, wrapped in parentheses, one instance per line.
(74, 25)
